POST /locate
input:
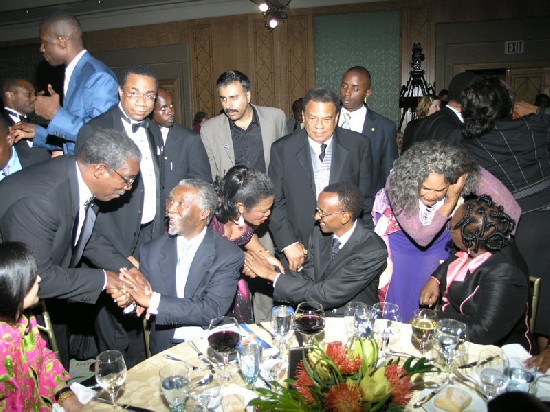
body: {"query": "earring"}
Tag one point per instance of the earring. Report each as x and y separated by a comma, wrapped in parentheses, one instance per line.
(239, 221)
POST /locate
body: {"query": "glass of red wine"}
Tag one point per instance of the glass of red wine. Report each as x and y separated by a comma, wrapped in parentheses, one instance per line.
(309, 320)
(223, 337)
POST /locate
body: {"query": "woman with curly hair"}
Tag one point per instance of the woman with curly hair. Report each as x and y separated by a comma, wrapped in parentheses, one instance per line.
(245, 200)
(517, 152)
(422, 191)
(485, 284)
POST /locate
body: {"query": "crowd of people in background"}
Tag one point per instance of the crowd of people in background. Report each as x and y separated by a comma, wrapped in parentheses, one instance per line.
(115, 212)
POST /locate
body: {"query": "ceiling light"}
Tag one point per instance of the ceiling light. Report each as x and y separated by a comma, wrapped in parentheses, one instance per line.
(263, 7)
(273, 23)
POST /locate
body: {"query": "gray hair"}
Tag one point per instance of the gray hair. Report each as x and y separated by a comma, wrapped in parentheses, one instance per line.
(110, 147)
(416, 164)
(208, 199)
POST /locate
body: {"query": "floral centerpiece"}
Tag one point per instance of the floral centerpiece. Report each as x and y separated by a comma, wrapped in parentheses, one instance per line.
(345, 378)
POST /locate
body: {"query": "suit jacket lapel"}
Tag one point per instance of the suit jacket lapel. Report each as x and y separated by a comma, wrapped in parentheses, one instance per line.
(345, 251)
(167, 263)
(74, 79)
(266, 126)
(339, 157)
(201, 262)
(226, 142)
(304, 157)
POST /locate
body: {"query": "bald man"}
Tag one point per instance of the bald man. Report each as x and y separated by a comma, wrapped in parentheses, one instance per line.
(90, 87)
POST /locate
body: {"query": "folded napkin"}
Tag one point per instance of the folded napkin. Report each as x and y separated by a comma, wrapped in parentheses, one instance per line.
(515, 350)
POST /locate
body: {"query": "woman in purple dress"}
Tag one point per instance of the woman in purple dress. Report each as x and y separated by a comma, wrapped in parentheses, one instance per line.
(245, 201)
(424, 188)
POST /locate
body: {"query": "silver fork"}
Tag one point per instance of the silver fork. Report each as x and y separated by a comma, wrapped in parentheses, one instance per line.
(167, 356)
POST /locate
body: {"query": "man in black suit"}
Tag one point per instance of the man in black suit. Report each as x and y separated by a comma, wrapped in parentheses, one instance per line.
(183, 153)
(193, 271)
(345, 259)
(306, 161)
(44, 206)
(357, 116)
(19, 97)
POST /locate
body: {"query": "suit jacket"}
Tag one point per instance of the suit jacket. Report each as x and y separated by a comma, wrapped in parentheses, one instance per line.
(38, 206)
(27, 155)
(93, 89)
(439, 126)
(216, 136)
(383, 142)
(209, 291)
(183, 157)
(292, 175)
(492, 300)
(352, 275)
(119, 220)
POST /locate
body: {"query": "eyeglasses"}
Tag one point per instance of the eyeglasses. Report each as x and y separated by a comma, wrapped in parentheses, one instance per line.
(128, 182)
(322, 214)
(135, 96)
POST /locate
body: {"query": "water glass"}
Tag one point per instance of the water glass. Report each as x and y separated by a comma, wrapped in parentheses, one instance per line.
(249, 355)
(174, 384)
(388, 324)
(491, 367)
(110, 372)
(520, 377)
(282, 324)
(450, 335)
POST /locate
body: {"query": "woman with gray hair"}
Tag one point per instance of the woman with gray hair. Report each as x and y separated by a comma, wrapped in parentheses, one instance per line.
(424, 188)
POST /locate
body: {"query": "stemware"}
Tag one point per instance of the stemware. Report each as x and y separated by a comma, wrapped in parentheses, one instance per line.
(450, 334)
(388, 324)
(110, 372)
(281, 322)
(249, 355)
(174, 384)
(223, 338)
(423, 325)
(309, 320)
(206, 392)
(354, 318)
(491, 369)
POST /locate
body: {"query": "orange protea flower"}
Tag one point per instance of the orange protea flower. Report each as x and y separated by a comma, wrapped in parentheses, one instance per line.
(304, 383)
(339, 355)
(401, 385)
(344, 397)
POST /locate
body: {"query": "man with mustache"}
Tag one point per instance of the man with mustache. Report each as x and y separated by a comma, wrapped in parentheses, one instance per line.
(243, 135)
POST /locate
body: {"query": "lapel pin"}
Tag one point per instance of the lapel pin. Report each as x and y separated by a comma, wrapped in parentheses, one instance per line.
(372, 129)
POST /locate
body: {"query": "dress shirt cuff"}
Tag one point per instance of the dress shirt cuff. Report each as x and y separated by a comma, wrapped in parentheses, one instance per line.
(276, 279)
(154, 304)
(292, 244)
(105, 280)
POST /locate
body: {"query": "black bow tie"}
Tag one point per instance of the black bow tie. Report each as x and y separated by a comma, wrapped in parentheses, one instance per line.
(136, 126)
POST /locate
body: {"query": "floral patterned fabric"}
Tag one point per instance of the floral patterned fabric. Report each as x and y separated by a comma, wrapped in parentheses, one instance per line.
(29, 371)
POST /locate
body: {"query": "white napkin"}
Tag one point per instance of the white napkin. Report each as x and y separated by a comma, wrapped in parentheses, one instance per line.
(515, 350)
(83, 394)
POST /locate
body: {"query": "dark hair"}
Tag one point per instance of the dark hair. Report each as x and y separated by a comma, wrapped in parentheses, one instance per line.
(349, 197)
(70, 27)
(321, 95)
(241, 185)
(231, 76)
(109, 146)
(298, 105)
(18, 272)
(9, 84)
(485, 225)
(484, 102)
(360, 69)
(542, 100)
(141, 70)
(459, 82)
(198, 117)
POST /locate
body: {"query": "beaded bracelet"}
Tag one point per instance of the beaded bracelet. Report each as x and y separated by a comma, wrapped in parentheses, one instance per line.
(63, 394)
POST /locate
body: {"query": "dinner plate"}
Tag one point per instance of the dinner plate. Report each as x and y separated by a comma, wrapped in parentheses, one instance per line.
(477, 404)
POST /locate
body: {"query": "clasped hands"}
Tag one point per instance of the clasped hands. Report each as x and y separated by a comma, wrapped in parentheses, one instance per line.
(130, 286)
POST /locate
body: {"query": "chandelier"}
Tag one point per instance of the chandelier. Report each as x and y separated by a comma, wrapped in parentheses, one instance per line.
(273, 10)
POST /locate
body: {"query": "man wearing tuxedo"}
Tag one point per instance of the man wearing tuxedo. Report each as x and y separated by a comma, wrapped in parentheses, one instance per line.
(134, 219)
(193, 271)
(243, 135)
(183, 153)
(89, 89)
(306, 161)
(345, 259)
(47, 206)
(357, 116)
(19, 96)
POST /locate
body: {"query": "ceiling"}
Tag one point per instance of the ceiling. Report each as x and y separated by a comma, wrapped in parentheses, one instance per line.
(19, 19)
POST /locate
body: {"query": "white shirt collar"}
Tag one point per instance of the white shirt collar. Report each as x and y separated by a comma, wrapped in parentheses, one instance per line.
(193, 243)
(458, 114)
(345, 237)
(70, 69)
(317, 146)
(357, 118)
(84, 192)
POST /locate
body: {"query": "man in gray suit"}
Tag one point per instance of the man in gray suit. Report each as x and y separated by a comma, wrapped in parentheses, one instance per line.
(243, 135)
(193, 271)
(345, 258)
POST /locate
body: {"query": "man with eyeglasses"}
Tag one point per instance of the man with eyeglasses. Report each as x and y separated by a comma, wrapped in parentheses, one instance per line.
(344, 262)
(89, 89)
(136, 218)
(306, 161)
(183, 153)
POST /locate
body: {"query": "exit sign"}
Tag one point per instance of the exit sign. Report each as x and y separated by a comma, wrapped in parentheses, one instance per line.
(514, 47)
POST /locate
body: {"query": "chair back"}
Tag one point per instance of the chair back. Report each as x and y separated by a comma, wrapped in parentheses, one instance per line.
(534, 290)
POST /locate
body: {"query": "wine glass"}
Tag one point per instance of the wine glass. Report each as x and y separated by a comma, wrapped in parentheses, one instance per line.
(223, 338)
(491, 369)
(206, 390)
(388, 325)
(350, 321)
(174, 383)
(450, 334)
(423, 324)
(281, 322)
(309, 320)
(364, 319)
(110, 372)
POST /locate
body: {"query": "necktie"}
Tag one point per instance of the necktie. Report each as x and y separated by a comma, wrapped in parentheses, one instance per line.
(345, 123)
(85, 232)
(335, 248)
(323, 149)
